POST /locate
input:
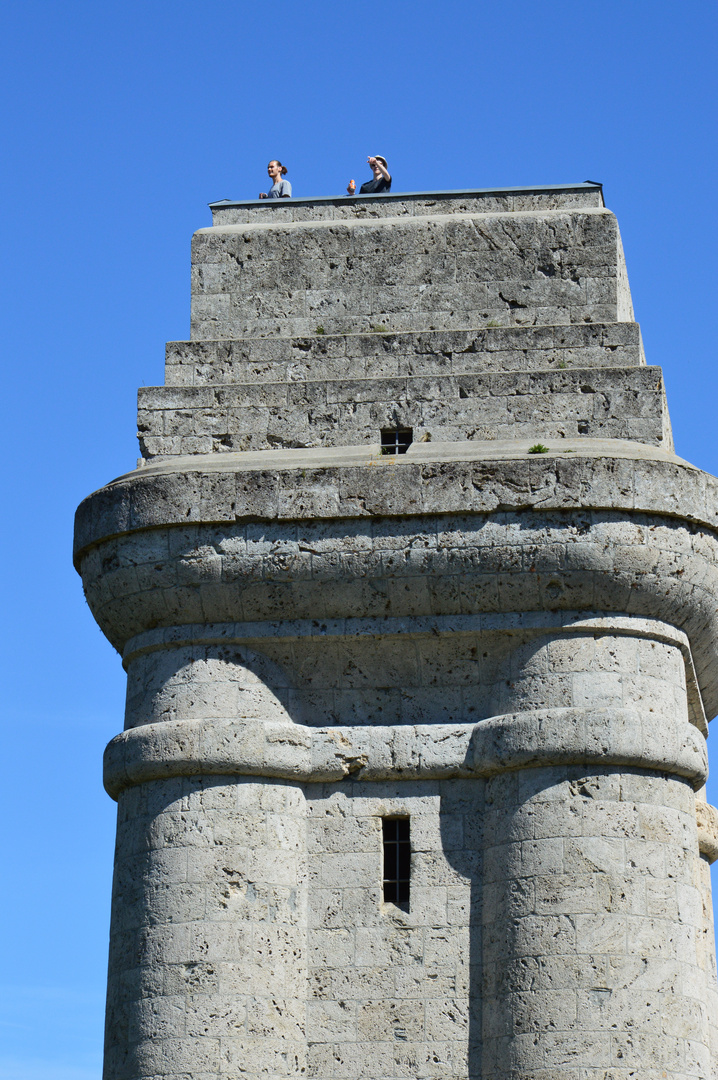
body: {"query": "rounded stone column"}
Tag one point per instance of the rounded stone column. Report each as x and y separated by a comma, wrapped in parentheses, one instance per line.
(707, 820)
(593, 953)
(207, 972)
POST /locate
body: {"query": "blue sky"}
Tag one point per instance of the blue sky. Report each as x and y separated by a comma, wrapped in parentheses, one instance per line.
(119, 122)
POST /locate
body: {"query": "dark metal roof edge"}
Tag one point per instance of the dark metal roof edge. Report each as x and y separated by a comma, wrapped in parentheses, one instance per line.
(534, 189)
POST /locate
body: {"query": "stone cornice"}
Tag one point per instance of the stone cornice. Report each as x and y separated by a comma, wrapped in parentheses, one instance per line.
(356, 482)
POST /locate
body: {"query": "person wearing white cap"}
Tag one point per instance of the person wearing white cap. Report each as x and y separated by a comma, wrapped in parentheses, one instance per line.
(381, 181)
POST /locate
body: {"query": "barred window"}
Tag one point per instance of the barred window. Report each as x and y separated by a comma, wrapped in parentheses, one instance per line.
(397, 860)
(396, 440)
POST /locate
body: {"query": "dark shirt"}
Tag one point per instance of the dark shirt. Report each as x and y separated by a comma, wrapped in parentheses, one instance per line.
(373, 187)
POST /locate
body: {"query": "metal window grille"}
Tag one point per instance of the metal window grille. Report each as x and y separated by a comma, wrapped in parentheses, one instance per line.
(396, 440)
(397, 859)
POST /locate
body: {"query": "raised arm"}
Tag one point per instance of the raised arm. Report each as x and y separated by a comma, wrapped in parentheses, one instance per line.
(381, 167)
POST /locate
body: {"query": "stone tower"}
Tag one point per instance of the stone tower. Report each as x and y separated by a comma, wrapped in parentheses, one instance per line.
(418, 610)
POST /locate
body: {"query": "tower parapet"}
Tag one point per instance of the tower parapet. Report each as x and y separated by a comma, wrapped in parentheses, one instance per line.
(408, 540)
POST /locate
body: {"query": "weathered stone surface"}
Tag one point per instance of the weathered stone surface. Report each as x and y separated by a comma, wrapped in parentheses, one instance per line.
(384, 355)
(209, 745)
(438, 272)
(553, 197)
(608, 403)
(513, 649)
(473, 477)
(650, 566)
(707, 817)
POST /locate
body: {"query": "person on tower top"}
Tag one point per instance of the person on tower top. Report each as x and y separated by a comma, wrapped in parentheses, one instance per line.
(280, 189)
(381, 181)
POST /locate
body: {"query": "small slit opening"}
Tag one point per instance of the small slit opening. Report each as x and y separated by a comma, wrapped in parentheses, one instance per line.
(397, 861)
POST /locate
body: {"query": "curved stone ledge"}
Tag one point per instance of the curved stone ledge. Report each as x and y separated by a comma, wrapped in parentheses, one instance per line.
(596, 737)
(601, 737)
(284, 751)
(458, 478)
(707, 821)
(419, 566)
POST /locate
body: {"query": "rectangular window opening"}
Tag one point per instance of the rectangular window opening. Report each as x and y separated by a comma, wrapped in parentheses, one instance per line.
(396, 440)
(397, 860)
